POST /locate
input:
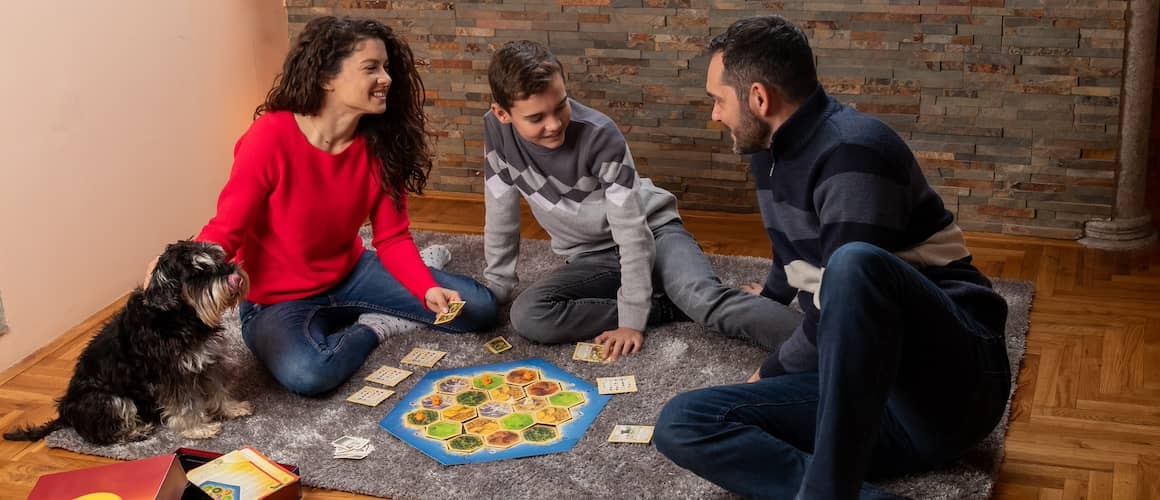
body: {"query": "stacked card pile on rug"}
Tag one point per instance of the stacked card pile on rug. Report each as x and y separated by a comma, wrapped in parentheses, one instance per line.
(351, 447)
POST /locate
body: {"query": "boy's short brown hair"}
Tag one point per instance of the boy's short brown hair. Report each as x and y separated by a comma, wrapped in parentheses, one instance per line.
(520, 69)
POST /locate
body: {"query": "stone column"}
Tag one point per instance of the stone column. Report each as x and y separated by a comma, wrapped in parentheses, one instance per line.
(1131, 224)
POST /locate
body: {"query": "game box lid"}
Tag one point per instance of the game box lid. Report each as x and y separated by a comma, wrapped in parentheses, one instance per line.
(159, 477)
(245, 474)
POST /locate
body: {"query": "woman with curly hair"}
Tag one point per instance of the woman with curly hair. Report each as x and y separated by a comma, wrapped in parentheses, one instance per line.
(340, 138)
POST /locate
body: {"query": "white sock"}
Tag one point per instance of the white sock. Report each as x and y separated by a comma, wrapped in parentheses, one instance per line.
(385, 325)
(436, 256)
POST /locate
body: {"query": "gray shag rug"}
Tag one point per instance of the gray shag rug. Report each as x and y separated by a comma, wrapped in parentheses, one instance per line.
(676, 358)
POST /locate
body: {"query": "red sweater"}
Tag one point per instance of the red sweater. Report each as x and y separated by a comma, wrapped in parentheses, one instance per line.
(291, 212)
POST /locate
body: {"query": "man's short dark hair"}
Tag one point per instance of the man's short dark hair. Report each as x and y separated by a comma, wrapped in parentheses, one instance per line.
(769, 50)
(520, 69)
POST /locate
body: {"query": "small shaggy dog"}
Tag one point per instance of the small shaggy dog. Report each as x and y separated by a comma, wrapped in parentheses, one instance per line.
(158, 360)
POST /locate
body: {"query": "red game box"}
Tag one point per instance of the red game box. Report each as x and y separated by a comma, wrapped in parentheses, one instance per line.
(159, 478)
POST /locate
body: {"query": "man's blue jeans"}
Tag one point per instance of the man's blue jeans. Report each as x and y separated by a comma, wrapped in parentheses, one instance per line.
(313, 345)
(906, 381)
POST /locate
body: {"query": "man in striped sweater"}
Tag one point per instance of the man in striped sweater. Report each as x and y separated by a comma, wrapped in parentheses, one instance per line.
(899, 364)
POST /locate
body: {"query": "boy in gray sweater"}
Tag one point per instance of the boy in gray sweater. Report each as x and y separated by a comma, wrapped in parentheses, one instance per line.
(630, 261)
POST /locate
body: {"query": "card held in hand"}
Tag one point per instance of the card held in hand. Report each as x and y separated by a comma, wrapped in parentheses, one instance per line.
(370, 396)
(497, 345)
(388, 376)
(631, 434)
(423, 357)
(453, 309)
(592, 353)
(616, 385)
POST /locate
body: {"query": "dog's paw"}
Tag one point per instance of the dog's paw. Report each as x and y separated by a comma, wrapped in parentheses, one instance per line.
(236, 409)
(140, 433)
(204, 431)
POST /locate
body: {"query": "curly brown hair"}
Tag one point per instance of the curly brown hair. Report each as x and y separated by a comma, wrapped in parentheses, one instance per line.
(398, 137)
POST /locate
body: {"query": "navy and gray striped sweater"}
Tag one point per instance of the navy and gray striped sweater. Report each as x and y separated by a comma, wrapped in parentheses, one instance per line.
(833, 176)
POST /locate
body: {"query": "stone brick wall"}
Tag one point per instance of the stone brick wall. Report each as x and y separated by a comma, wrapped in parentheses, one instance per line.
(1012, 106)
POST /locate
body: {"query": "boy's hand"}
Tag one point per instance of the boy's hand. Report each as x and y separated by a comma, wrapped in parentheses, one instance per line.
(618, 342)
(755, 377)
(437, 299)
(752, 288)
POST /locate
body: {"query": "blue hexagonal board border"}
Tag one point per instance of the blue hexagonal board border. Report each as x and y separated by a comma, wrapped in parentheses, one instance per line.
(528, 389)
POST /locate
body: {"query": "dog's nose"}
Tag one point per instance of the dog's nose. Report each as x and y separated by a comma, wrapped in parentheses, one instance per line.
(235, 281)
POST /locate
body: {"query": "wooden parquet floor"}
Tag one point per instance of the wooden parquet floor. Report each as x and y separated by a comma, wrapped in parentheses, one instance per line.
(1086, 420)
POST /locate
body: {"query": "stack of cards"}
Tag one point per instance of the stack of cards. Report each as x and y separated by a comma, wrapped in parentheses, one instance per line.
(370, 396)
(631, 434)
(423, 357)
(592, 353)
(388, 376)
(616, 385)
(354, 448)
(497, 345)
(453, 309)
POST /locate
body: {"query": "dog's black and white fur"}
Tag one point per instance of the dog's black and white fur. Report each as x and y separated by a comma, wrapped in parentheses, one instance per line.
(158, 360)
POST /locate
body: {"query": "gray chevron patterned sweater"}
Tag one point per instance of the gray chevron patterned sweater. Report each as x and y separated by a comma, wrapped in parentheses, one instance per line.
(586, 194)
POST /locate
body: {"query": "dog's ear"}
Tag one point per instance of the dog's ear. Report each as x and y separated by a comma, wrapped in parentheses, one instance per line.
(164, 292)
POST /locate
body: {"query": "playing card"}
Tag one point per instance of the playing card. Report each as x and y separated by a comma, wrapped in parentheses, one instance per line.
(423, 357)
(631, 434)
(388, 375)
(497, 345)
(370, 396)
(453, 309)
(350, 442)
(354, 453)
(592, 353)
(616, 385)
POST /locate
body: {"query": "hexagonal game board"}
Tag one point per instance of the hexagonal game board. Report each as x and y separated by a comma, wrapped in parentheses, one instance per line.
(495, 412)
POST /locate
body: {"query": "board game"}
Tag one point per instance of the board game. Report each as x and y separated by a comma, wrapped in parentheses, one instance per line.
(495, 412)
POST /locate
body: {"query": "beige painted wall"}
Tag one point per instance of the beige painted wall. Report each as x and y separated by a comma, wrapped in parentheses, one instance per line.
(117, 132)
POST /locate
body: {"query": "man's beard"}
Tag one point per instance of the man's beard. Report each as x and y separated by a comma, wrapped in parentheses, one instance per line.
(753, 135)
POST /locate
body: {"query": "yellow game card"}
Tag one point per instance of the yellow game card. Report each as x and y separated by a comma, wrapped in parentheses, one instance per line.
(616, 385)
(423, 357)
(592, 353)
(640, 434)
(370, 396)
(452, 311)
(497, 345)
(388, 375)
